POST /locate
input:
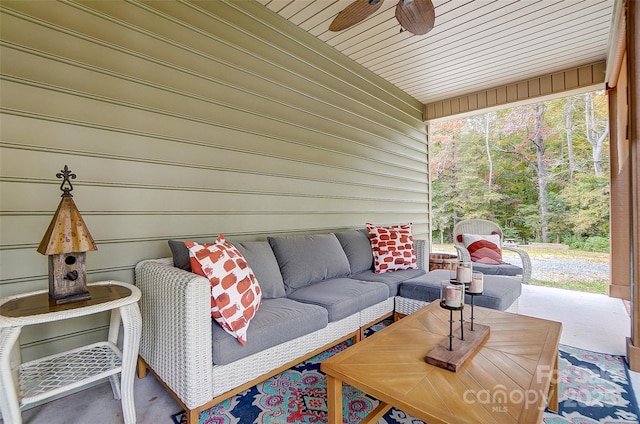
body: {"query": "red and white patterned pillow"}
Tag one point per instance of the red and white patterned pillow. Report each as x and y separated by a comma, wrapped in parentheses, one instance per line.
(235, 293)
(483, 248)
(392, 248)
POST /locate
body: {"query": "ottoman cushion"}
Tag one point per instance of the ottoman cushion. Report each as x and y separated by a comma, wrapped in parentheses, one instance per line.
(499, 291)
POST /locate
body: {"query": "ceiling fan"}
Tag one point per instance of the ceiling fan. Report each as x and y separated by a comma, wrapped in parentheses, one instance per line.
(415, 16)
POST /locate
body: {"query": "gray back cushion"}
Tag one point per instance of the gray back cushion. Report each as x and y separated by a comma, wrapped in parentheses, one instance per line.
(306, 259)
(260, 258)
(357, 247)
(180, 254)
(258, 255)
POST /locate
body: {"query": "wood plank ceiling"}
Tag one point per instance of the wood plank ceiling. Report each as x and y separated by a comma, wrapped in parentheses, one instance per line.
(474, 45)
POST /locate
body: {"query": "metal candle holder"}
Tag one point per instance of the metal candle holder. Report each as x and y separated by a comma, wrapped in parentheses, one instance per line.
(473, 296)
(475, 288)
(452, 298)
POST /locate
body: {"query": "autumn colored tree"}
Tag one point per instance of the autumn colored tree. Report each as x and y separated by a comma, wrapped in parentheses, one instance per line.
(538, 170)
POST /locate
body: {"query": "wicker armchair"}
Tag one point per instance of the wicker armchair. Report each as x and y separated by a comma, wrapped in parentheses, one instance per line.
(484, 227)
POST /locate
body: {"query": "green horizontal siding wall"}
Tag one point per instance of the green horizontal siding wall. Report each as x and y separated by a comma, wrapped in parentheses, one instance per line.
(184, 120)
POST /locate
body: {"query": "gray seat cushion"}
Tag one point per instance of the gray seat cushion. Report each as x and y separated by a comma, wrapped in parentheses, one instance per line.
(307, 259)
(391, 279)
(499, 291)
(502, 269)
(342, 297)
(262, 261)
(276, 321)
(357, 247)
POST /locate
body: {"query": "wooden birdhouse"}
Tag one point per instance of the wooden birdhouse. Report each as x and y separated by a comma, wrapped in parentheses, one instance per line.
(66, 242)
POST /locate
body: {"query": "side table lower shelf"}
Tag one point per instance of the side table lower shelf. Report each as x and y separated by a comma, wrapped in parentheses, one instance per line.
(52, 375)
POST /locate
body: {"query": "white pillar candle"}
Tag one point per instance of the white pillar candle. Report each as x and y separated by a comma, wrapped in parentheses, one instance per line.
(463, 273)
(477, 283)
(453, 296)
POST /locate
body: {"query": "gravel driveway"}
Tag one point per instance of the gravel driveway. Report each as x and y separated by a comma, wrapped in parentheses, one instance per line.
(560, 270)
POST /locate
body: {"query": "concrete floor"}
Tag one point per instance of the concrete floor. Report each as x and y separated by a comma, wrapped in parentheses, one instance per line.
(590, 321)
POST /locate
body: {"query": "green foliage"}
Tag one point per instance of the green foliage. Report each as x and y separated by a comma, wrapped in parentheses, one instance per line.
(587, 201)
(573, 241)
(497, 178)
(589, 244)
(597, 244)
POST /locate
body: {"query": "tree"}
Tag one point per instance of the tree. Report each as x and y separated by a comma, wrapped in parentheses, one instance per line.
(487, 118)
(525, 126)
(568, 119)
(525, 168)
(596, 130)
(538, 142)
(442, 149)
(583, 200)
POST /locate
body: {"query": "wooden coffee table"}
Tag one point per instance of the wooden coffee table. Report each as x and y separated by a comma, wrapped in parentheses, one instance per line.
(510, 379)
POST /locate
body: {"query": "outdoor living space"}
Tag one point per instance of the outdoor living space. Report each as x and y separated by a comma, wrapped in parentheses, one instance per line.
(594, 322)
(248, 120)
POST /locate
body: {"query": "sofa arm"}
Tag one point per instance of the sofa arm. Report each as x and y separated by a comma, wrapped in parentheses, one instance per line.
(526, 263)
(176, 329)
(422, 253)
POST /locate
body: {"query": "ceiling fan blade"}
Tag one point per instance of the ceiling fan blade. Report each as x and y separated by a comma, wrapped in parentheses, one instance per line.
(354, 13)
(416, 16)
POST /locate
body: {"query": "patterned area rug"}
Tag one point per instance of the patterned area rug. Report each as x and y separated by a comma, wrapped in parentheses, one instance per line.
(594, 388)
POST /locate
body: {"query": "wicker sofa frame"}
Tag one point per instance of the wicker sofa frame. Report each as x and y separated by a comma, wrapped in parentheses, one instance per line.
(176, 337)
(176, 342)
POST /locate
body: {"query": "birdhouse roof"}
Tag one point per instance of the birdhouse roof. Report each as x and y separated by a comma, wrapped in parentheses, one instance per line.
(67, 231)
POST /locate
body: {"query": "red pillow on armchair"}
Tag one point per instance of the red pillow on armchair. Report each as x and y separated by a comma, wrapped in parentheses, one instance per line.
(484, 248)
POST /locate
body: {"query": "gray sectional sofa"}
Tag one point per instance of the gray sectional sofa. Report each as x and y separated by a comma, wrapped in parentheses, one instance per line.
(318, 290)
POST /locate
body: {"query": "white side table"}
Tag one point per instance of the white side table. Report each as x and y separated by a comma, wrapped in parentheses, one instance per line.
(25, 383)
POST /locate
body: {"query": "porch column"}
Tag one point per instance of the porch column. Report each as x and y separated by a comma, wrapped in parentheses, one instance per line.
(633, 66)
(620, 177)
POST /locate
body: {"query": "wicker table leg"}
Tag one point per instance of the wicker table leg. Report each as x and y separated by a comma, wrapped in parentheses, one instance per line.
(9, 405)
(132, 323)
(114, 331)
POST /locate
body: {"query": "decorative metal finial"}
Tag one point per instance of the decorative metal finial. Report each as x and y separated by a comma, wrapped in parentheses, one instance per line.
(66, 175)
